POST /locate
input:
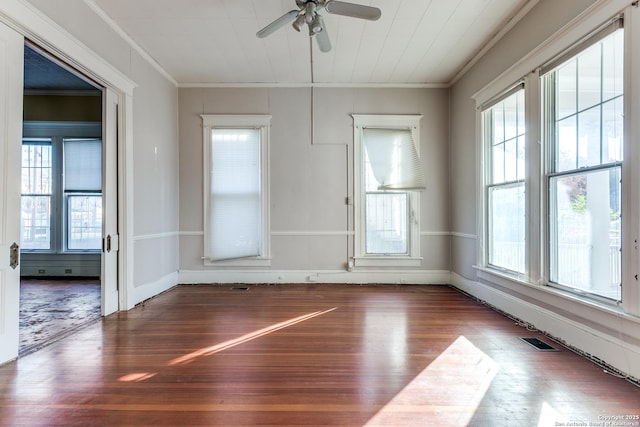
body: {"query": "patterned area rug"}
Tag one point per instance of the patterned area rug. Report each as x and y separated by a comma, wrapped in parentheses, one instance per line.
(51, 309)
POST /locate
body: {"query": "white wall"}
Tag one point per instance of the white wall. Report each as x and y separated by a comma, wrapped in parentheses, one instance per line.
(310, 221)
(608, 332)
(155, 150)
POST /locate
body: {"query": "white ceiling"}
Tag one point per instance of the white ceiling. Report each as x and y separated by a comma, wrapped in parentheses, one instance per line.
(209, 42)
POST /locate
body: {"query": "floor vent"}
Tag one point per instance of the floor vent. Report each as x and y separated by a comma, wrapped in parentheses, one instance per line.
(539, 345)
(240, 288)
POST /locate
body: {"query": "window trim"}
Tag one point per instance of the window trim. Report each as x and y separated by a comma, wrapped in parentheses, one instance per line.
(57, 132)
(487, 177)
(537, 204)
(550, 142)
(262, 122)
(361, 258)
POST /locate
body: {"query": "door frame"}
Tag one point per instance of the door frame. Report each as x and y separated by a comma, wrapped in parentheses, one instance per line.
(40, 30)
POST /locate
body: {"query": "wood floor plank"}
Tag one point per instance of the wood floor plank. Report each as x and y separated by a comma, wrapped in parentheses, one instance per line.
(307, 355)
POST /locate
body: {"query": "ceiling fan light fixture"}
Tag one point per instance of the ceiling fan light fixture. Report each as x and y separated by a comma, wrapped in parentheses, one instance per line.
(299, 22)
(316, 25)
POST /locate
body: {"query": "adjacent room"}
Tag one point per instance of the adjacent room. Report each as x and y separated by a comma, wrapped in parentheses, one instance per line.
(318, 212)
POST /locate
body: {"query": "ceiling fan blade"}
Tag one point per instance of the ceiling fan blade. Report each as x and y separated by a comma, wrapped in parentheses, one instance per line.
(353, 10)
(323, 38)
(278, 23)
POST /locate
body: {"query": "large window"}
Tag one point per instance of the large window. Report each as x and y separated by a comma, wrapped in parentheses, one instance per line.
(552, 190)
(37, 192)
(583, 114)
(236, 190)
(389, 175)
(61, 190)
(504, 125)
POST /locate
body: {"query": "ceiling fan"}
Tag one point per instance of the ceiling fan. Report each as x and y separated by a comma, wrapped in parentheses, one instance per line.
(307, 13)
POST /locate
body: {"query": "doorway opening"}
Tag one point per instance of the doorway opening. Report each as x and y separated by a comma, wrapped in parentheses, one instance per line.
(61, 224)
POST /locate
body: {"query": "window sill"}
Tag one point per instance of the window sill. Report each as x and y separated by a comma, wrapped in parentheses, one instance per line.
(508, 281)
(239, 262)
(387, 261)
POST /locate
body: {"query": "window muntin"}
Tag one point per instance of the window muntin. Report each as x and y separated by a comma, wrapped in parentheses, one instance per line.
(584, 119)
(504, 124)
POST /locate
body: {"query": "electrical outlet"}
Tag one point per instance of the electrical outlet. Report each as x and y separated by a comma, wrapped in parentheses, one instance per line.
(42, 271)
(68, 271)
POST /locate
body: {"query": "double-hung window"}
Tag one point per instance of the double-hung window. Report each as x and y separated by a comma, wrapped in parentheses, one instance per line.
(61, 198)
(37, 194)
(583, 118)
(504, 136)
(388, 177)
(236, 203)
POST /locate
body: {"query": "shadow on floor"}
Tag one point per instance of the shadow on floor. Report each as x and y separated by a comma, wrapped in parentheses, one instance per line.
(52, 309)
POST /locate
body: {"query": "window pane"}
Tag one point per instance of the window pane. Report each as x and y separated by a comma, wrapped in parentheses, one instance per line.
(612, 66)
(589, 77)
(510, 160)
(589, 137)
(612, 130)
(83, 164)
(497, 163)
(566, 144)
(497, 124)
(84, 228)
(35, 231)
(521, 158)
(507, 227)
(566, 90)
(235, 194)
(386, 222)
(36, 168)
(585, 238)
(510, 117)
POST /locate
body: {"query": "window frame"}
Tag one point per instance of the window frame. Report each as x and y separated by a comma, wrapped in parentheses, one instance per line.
(488, 142)
(263, 123)
(57, 133)
(552, 169)
(539, 154)
(361, 258)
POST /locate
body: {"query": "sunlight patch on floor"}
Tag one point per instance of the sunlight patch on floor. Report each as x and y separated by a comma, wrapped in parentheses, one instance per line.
(448, 391)
(550, 417)
(208, 351)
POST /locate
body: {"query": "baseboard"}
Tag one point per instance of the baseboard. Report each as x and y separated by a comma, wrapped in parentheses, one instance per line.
(151, 289)
(608, 350)
(419, 277)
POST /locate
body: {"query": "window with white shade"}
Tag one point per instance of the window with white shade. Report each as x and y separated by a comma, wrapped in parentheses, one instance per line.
(236, 190)
(388, 178)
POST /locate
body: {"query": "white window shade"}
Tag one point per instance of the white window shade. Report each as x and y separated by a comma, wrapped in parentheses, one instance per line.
(83, 165)
(235, 220)
(394, 159)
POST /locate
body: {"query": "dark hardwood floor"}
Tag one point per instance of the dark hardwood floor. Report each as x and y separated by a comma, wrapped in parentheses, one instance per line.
(52, 308)
(311, 354)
